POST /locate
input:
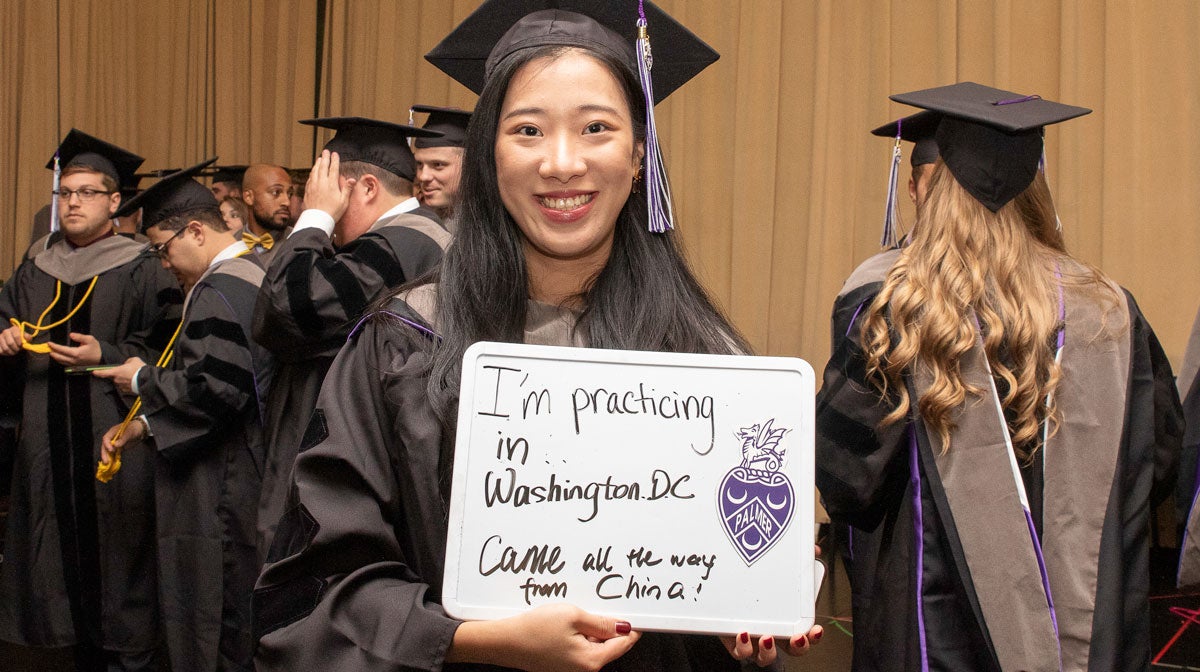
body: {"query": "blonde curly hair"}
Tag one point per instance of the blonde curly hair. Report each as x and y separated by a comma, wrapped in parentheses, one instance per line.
(967, 266)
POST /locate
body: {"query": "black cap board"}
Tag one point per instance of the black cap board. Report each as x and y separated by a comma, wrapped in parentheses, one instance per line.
(80, 149)
(173, 195)
(379, 143)
(990, 139)
(918, 129)
(499, 28)
(451, 122)
(233, 173)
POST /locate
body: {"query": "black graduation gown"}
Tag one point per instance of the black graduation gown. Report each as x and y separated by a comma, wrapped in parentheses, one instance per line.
(944, 573)
(205, 411)
(312, 294)
(79, 562)
(1188, 491)
(354, 578)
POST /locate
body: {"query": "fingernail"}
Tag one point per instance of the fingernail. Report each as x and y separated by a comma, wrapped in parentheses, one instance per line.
(769, 643)
(623, 627)
(745, 637)
(803, 641)
(817, 636)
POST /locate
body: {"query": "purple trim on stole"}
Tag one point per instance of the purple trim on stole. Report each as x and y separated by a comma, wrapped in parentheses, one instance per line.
(1037, 549)
(919, 528)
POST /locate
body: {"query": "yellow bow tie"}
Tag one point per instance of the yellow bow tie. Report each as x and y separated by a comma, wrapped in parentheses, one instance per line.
(251, 240)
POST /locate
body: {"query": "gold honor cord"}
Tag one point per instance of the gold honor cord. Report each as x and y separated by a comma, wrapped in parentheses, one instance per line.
(35, 329)
(106, 470)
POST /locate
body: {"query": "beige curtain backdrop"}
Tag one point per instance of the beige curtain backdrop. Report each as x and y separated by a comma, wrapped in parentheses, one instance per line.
(780, 188)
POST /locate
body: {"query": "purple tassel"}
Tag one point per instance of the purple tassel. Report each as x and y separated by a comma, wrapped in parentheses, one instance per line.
(889, 239)
(54, 200)
(658, 192)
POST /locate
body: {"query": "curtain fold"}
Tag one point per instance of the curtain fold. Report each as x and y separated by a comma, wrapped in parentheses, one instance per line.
(779, 186)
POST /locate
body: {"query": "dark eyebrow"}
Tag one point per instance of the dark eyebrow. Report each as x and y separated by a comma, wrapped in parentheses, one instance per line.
(524, 110)
(582, 108)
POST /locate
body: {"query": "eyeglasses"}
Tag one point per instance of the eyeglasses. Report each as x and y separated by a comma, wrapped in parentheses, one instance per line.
(86, 194)
(160, 249)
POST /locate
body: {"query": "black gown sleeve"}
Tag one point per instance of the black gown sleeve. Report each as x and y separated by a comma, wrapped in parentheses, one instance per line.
(211, 383)
(314, 292)
(352, 579)
(859, 463)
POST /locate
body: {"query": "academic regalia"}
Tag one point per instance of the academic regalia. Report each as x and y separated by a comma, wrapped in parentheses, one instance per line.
(965, 556)
(206, 413)
(314, 291)
(972, 570)
(354, 578)
(79, 562)
(1188, 492)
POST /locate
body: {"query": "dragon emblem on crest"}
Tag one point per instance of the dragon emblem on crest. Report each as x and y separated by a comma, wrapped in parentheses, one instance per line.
(756, 499)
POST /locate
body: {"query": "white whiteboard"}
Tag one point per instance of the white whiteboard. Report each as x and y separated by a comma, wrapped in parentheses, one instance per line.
(614, 480)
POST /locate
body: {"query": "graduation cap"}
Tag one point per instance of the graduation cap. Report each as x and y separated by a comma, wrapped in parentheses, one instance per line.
(130, 189)
(990, 139)
(918, 129)
(451, 122)
(228, 173)
(173, 195)
(619, 29)
(380, 143)
(499, 28)
(80, 149)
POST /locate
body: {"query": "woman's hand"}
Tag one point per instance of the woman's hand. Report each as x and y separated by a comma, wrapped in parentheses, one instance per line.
(552, 637)
(764, 651)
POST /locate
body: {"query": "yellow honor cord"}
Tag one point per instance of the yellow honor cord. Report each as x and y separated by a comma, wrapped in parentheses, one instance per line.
(35, 329)
(106, 470)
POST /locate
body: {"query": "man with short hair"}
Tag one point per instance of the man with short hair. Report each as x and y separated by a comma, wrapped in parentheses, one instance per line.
(203, 413)
(360, 234)
(439, 160)
(79, 567)
(267, 190)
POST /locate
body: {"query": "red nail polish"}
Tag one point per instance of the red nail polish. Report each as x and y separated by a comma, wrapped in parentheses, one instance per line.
(768, 643)
(803, 641)
(817, 636)
(623, 627)
(745, 638)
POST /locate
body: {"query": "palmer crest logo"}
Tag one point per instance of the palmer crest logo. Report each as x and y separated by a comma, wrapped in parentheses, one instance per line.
(756, 499)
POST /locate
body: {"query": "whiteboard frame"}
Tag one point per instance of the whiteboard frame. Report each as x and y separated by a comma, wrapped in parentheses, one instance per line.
(802, 522)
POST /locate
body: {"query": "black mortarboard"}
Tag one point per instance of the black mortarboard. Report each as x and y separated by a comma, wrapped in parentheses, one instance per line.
(499, 28)
(918, 129)
(379, 143)
(228, 173)
(130, 189)
(173, 195)
(80, 149)
(451, 122)
(990, 139)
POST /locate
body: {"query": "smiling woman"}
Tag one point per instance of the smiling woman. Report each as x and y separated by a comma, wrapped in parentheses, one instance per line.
(553, 247)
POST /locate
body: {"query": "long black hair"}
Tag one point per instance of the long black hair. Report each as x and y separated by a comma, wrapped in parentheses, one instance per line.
(645, 297)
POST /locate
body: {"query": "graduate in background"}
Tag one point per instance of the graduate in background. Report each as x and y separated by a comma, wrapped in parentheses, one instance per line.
(439, 160)
(203, 412)
(361, 233)
(1187, 493)
(1001, 415)
(91, 298)
(555, 247)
